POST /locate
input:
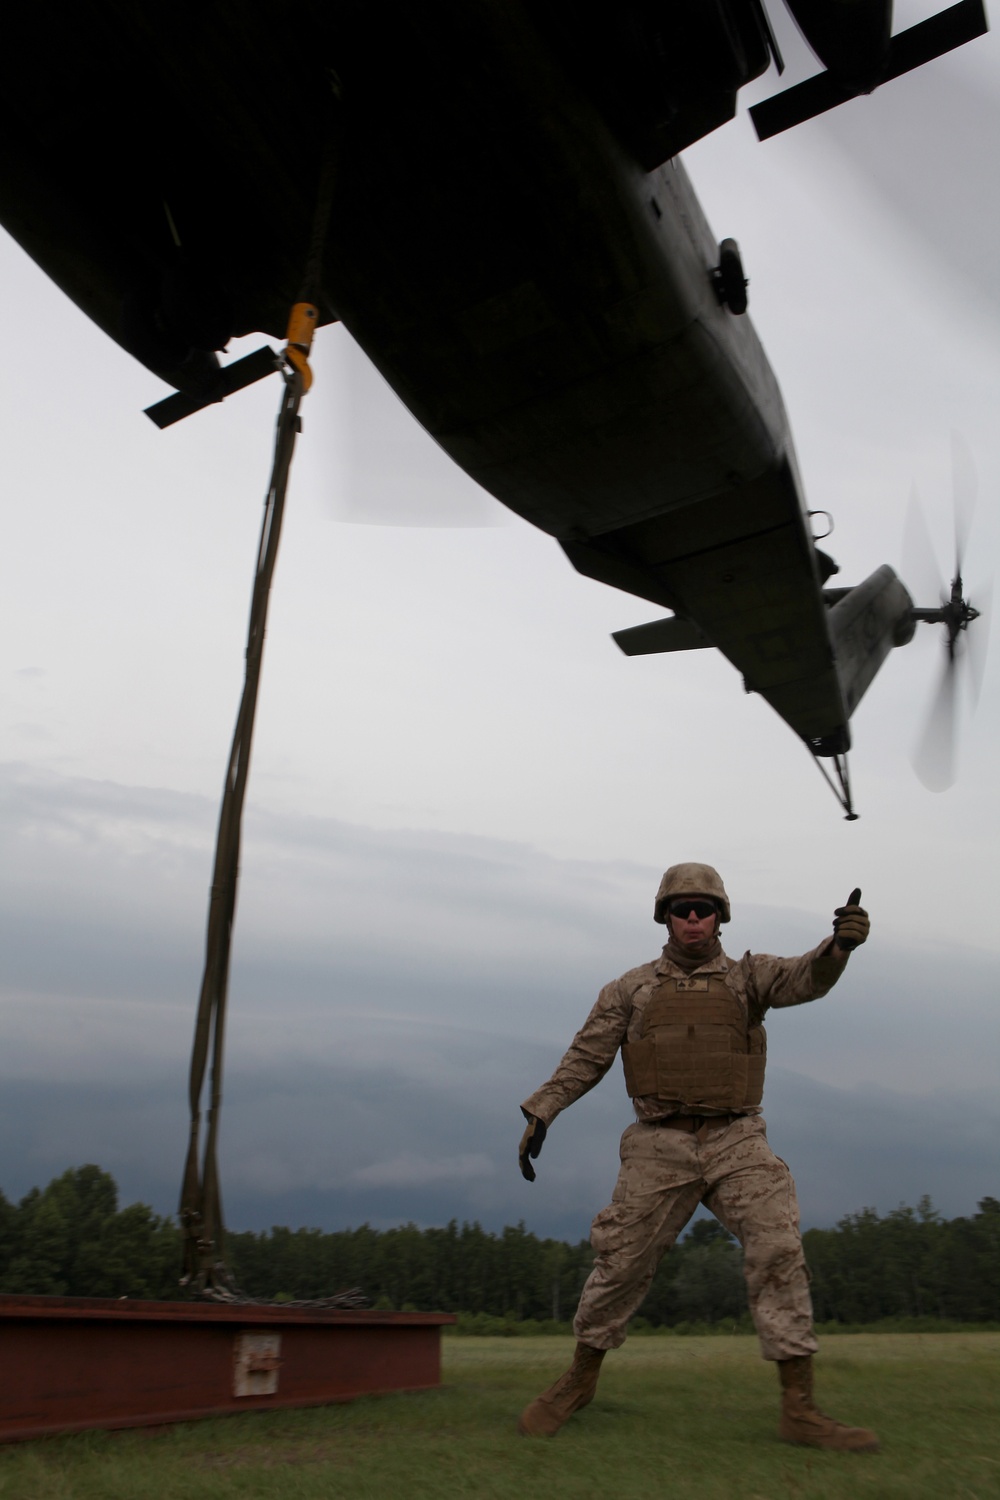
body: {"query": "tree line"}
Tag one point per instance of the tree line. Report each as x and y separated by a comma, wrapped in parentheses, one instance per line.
(72, 1239)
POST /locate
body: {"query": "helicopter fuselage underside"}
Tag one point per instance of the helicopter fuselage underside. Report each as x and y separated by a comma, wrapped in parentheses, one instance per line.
(544, 306)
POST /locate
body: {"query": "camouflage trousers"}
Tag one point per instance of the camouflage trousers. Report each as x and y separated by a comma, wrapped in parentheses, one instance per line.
(665, 1173)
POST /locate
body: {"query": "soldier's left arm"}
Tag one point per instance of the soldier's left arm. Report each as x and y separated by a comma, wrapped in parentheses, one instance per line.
(779, 982)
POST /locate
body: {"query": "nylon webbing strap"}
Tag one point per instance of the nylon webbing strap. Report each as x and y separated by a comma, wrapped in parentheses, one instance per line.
(201, 1206)
(202, 1225)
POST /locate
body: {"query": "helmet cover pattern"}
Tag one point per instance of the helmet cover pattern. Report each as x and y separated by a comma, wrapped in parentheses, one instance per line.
(691, 880)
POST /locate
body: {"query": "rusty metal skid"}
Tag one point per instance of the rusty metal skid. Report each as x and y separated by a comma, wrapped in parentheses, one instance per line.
(72, 1363)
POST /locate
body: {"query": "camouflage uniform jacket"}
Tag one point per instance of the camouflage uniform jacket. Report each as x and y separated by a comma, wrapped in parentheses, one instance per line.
(759, 981)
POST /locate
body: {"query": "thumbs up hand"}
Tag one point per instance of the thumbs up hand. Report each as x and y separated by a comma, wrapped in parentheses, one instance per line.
(850, 923)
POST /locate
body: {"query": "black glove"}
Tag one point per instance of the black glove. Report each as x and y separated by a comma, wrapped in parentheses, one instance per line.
(851, 924)
(531, 1144)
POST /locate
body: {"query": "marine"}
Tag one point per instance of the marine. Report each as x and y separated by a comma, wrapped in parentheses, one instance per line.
(689, 1029)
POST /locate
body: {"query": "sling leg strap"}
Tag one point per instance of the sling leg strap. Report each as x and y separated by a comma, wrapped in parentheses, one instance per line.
(202, 1227)
(200, 1208)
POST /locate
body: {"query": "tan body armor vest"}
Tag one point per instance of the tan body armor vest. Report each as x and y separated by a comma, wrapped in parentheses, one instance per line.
(696, 1047)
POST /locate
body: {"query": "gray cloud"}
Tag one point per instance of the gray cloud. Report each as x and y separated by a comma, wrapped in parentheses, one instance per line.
(410, 1169)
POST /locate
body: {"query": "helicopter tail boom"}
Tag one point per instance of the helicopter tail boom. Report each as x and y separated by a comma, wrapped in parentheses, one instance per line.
(865, 623)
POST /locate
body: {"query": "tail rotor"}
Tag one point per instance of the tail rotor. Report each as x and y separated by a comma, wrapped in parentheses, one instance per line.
(934, 758)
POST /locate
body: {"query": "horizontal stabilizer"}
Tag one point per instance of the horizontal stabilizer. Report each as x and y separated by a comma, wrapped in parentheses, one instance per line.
(910, 49)
(671, 634)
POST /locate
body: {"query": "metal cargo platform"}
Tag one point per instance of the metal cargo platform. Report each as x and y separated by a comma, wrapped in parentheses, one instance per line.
(71, 1363)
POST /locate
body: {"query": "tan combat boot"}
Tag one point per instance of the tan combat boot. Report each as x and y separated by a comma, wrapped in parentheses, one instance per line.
(547, 1413)
(802, 1422)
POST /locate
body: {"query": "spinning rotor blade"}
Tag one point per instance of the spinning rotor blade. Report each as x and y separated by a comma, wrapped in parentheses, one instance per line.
(389, 471)
(964, 489)
(934, 758)
(913, 150)
(921, 573)
(978, 642)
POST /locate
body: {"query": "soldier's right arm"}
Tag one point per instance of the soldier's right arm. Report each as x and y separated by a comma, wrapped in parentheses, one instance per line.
(588, 1057)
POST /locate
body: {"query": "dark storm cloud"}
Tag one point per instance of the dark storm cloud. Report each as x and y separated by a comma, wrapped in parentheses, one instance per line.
(874, 1147)
(394, 996)
(331, 1146)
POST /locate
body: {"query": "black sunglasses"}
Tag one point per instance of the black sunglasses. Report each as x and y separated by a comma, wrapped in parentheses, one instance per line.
(701, 909)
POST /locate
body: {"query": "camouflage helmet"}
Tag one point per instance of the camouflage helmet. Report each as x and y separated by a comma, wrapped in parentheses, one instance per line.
(691, 880)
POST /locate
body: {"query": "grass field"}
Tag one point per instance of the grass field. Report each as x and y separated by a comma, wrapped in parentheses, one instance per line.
(685, 1418)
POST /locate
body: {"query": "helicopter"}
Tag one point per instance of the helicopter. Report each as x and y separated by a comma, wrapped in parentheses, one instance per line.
(515, 244)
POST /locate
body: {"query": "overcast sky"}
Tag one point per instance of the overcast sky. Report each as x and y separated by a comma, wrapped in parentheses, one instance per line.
(462, 794)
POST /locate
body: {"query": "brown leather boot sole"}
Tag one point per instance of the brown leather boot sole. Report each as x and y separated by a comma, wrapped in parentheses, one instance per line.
(539, 1420)
(544, 1416)
(829, 1435)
